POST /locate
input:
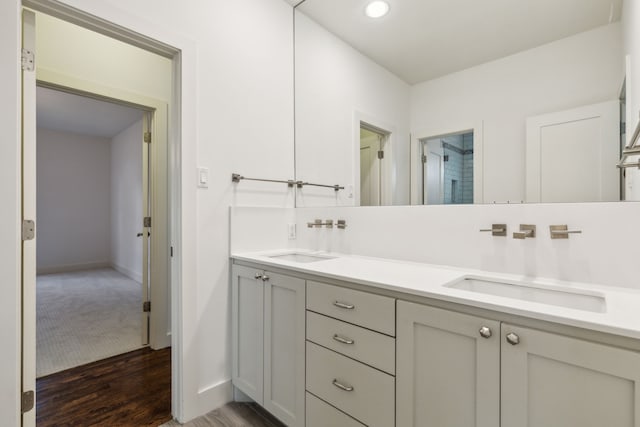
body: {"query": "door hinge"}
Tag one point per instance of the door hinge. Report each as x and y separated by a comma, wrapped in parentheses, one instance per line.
(146, 306)
(28, 400)
(28, 229)
(380, 154)
(171, 251)
(147, 137)
(28, 60)
(424, 158)
(146, 222)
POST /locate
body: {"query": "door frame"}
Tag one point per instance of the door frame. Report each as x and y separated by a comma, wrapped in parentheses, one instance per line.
(386, 167)
(110, 21)
(437, 130)
(425, 192)
(158, 196)
(381, 144)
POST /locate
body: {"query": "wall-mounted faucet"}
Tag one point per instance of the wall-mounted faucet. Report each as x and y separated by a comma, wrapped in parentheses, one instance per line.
(340, 224)
(319, 224)
(496, 230)
(526, 231)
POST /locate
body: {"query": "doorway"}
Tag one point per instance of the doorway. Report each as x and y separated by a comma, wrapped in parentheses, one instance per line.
(372, 153)
(448, 169)
(89, 258)
(115, 83)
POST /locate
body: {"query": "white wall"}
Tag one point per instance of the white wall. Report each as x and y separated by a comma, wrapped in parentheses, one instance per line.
(73, 201)
(237, 116)
(126, 201)
(605, 253)
(260, 228)
(583, 69)
(631, 17)
(334, 83)
(73, 50)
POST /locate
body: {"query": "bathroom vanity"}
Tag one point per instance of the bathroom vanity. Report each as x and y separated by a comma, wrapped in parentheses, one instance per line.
(326, 340)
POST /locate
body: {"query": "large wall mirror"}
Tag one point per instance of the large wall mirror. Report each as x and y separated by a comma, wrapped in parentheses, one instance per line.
(461, 101)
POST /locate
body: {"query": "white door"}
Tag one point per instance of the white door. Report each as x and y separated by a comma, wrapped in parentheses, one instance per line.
(433, 173)
(29, 213)
(571, 155)
(370, 170)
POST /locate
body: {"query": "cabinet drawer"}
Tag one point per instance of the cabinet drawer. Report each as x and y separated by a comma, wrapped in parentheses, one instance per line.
(366, 346)
(361, 308)
(359, 390)
(321, 414)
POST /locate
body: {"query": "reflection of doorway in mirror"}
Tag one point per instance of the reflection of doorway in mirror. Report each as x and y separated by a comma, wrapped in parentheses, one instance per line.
(371, 156)
(447, 169)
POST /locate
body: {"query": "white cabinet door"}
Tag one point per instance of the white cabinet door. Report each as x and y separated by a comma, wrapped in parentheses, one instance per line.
(447, 374)
(247, 301)
(550, 380)
(284, 346)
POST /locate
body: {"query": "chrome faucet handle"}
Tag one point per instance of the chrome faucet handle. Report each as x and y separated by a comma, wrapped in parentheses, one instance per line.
(318, 223)
(562, 231)
(496, 230)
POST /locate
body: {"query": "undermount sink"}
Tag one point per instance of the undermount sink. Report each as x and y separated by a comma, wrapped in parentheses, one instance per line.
(302, 257)
(564, 298)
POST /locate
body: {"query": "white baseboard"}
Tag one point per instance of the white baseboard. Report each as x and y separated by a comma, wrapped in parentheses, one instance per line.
(239, 396)
(72, 267)
(214, 397)
(134, 275)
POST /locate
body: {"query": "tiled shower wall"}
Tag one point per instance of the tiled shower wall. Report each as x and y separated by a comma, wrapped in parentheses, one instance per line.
(458, 169)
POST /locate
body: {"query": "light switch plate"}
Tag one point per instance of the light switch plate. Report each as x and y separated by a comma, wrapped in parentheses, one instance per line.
(291, 231)
(350, 191)
(203, 177)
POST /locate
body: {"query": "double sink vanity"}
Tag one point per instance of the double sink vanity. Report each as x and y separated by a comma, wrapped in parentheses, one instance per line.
(324, 339)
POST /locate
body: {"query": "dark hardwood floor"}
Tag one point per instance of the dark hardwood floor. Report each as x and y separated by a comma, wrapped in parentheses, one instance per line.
(132, 389)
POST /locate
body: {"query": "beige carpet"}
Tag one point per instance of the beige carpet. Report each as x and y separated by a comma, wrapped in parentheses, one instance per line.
(85, 316)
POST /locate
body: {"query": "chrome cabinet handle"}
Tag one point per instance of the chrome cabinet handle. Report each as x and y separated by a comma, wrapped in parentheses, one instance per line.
(485, 332)
(265, 277)
(344, 305)
(342, 386)
(259, 276)
(342, 339)
(513, 339)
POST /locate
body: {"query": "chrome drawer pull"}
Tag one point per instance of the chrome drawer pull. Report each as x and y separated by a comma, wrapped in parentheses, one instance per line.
(342, 339)
(342, 386)
(344, 305)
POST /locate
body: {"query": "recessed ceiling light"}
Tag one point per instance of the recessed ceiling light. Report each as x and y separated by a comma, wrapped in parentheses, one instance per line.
(377, 9)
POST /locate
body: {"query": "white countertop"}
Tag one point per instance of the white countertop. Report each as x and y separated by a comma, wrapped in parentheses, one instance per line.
(621, 315)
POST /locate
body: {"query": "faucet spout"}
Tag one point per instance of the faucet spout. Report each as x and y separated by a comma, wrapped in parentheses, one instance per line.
(526, 231)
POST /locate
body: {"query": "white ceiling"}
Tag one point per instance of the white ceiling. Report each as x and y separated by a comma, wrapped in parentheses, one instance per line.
(423, 39)
(67, 112)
